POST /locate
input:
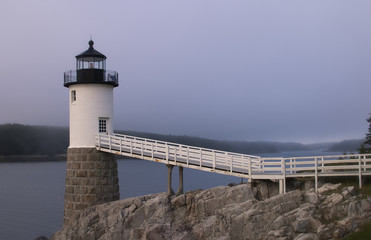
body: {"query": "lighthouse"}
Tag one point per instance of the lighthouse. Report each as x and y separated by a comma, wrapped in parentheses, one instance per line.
(91, 175)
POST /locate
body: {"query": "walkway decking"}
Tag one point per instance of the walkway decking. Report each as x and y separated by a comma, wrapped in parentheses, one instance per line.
(236, 164)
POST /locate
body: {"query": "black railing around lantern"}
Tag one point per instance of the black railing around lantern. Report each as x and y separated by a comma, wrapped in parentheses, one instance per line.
(109, 77)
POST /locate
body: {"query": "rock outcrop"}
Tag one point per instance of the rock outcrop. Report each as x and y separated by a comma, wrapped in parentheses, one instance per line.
(226, 213)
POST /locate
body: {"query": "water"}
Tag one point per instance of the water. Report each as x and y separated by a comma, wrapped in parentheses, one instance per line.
(31, 199)
(31, 194)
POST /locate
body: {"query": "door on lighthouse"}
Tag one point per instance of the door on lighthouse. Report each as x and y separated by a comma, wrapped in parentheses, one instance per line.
(103, 125)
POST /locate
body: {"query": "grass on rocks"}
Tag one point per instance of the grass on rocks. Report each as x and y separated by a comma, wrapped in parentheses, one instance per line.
(365, 191)
(364, 232)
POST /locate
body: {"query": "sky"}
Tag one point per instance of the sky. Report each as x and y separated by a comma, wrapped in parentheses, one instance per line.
(247, 70)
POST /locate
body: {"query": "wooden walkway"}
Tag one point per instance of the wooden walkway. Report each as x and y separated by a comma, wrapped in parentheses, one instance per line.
(236, 164)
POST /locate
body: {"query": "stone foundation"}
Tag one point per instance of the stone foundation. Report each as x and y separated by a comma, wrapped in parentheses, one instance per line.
(91, 179)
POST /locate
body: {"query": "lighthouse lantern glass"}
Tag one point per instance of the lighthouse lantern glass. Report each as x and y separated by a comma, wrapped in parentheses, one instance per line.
(91, 63)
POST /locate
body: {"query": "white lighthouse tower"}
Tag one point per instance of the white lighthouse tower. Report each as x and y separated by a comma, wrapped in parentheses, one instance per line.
(91, 176)
(91, 97)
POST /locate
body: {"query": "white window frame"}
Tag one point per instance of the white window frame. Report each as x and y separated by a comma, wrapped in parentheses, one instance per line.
(103, 125)
(73, 96)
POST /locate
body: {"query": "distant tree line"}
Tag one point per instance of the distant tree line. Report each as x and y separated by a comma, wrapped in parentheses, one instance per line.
(231, 146)
(17, 139)
(346, 146)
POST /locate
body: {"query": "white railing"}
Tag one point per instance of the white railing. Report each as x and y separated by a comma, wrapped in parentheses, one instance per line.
(235, 164)
(178, 154)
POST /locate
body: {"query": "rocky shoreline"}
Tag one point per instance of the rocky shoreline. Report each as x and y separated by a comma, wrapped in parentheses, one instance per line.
(227, 212)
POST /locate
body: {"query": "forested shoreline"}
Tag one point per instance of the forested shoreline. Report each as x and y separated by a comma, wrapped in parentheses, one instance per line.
(17, 139)
(51, 142)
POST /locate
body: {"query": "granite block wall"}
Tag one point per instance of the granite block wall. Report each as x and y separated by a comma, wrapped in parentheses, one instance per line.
(91, 179)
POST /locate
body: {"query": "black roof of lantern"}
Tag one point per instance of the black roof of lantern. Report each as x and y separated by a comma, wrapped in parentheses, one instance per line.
(91, 68)
(91, 52)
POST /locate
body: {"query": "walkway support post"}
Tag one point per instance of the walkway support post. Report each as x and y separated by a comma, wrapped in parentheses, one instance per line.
(316, 175)
(169, 173)
(282, 182)
(281, 186)
(360, 171)
(180, 189)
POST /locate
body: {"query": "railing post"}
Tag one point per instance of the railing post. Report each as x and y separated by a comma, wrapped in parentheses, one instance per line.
(110, 144)
(152, 150)
(283, 164)
(175, 152)
(187, 156)
(214, 160)
(167, 153)
(200, 157)
(142, 152)
(323, 164)
(316, 174)
(245, 161)
(99, 141)
(250, 173)
(360, 171)
(131, 147)
(124, 142)
(231, 157)
(226, 157)
(120, 145)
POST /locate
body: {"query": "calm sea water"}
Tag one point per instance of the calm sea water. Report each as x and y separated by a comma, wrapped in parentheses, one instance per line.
(31, 194)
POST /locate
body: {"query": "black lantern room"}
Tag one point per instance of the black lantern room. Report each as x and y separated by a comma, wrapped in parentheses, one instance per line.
(91, 68)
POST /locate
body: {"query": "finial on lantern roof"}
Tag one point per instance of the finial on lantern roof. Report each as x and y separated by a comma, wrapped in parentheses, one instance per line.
(91, 52)
(91, 42)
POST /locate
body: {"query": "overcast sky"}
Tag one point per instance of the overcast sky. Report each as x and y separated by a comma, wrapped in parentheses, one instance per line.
(224, 69)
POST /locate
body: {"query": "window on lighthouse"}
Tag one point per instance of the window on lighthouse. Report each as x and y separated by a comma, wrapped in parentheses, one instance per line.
(102, 125)
(73, 96)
